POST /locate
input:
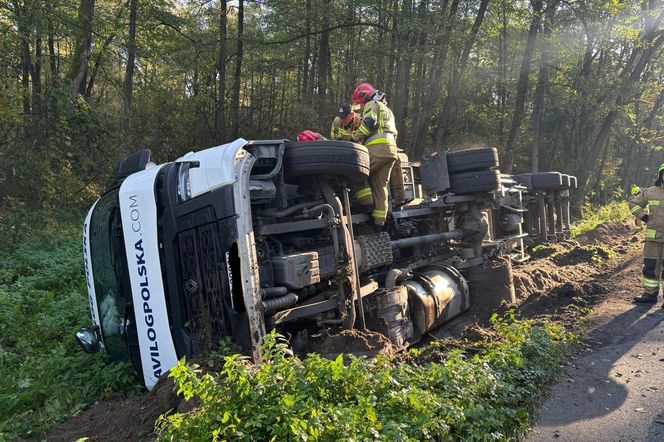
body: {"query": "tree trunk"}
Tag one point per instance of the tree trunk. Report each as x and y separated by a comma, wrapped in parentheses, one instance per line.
(390, 82)
(522, 88)
(37, 65)
(502, 81)
(306, 68)
(403, 63)
(129, 73)
(423, 118)
(542, 85)
(346, 82)
(600, 172)
(96, 64)
(220, 121)
(23, 16)
(443, 130)
(52, 58)
(650, 119)
(79, 67)
(324, 64)
(382, 20)
(235, 101)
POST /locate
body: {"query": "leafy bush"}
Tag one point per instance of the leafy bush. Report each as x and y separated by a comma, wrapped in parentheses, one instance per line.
(44, 375)
(485, 392)
(593, 217)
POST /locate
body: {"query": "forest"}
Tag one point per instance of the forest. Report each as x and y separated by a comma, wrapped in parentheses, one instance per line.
(575, 86)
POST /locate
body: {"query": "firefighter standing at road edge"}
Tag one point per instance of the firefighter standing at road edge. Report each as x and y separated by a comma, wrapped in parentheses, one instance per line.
(653, 249)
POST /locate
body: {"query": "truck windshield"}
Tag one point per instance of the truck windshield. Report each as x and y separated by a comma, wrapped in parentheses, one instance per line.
(111, 276)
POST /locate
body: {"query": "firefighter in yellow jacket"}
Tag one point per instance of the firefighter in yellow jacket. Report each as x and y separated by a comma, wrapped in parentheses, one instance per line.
(345, 124)
(379, 133)
(653, 250)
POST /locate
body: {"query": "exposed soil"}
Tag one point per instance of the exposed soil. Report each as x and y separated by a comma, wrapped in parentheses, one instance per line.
(130, 419)
(579, 272)
(576, 271)
(330, 343)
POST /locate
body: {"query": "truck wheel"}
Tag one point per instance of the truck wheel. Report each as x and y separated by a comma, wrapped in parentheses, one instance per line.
(472, 159)
(547, 180)
(326, 158)
(475, 182)
(492, 283)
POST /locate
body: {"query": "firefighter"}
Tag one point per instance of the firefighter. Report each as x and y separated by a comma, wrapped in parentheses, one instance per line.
(345, 123)
(653, 249)
(378, 133)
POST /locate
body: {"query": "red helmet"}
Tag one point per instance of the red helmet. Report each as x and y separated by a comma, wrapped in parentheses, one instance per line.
(309, 135)
(363, 93)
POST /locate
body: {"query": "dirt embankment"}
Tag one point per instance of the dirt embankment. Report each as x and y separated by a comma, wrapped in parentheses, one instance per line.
(571, 272)
(574, 271)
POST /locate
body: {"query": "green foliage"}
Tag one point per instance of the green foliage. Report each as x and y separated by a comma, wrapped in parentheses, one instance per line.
(563, 254)
(486, 392)
(593, 217)
(44, 374)
(544, 250)
(300, 62)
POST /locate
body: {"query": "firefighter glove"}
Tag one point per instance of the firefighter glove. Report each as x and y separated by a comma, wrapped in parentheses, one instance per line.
(645, 217)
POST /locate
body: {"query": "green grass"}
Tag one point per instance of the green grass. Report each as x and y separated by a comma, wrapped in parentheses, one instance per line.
(44, 374)
(485, 391)
(593, 217)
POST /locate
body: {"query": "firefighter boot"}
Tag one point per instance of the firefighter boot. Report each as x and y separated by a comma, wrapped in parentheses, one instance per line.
(646, 298)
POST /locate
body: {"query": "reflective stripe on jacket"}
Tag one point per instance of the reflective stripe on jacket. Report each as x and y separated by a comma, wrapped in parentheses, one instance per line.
(377, 119)
(653, 199)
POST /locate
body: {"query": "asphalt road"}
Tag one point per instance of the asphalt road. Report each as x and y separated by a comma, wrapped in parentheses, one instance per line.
(614, 391)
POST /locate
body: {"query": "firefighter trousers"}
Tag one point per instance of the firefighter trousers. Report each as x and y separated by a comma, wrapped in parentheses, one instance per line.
(653, 253)
(382, 158)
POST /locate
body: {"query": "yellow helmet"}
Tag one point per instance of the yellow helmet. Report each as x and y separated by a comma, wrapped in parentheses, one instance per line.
(660, 170)
(636, 190)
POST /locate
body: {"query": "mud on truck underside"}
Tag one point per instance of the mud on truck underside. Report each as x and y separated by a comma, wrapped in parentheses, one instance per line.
(248, 237)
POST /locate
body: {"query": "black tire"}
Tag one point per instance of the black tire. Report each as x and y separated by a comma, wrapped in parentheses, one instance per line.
(565, 181)
(547, 181)
(491, 284)
(475, 182)
(472, 159)
(326, 158)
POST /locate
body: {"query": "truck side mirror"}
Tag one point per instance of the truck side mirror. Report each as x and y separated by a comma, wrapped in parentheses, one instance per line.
(88, 340)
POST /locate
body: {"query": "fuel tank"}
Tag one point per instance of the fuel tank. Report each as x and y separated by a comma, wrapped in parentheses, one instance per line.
(435, 296)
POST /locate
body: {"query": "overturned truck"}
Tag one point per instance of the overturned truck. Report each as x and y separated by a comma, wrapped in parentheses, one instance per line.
(253, 236)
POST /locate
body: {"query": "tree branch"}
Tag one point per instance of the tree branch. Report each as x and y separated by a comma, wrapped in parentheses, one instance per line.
(331, 28)
(176, 29)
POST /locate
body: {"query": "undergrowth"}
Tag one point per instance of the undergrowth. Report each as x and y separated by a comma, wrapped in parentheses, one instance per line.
(44, 374)
(593, 217)
(485, 391)
(562, 255)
